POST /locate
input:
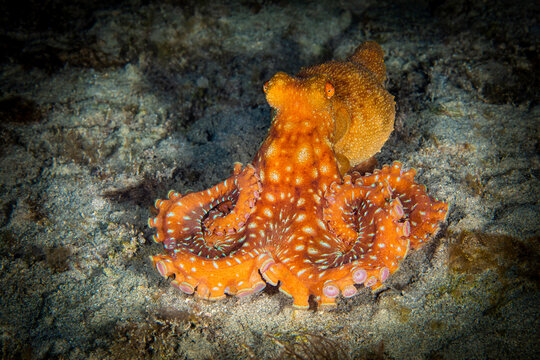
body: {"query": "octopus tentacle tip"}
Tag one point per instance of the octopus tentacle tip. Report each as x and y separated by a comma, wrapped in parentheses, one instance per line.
(397, 209)
(244, 292)
(259, 287)
(383, 274)
(158, 203)
(359, 276)
(266, 265)
(406, 228)
(186, 288)
(349, 291)
(372, 280)
(300, 215)
(161, 268)
(330, 290)
(237, 168)
(173, 195)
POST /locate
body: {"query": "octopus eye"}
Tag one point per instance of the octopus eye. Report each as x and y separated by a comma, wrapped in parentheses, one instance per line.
(265, 86)
(329, 89)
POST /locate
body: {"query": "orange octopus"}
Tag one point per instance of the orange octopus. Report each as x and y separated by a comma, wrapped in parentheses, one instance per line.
(298, 217)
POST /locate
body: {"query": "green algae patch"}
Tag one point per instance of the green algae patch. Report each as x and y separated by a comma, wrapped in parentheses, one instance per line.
(473, 252)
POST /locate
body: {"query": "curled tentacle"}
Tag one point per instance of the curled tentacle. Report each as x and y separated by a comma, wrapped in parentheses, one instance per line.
(377, 218)
(205, 233)
(423, 212)
(371, 237)
(248, 186)
(347, 204)
(208, 223)
(368, 222)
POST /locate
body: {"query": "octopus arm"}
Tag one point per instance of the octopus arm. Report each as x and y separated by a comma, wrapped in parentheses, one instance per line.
(204, 233)
(249, 188)
(377, 219)
(366, 237)
(210, 215)
(289, 284)
(325, 285)
(424, 213)
(237, 274)
(372, 237)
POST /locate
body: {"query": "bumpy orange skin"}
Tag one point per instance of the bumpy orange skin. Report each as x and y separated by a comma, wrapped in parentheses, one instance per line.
(362, 110)
(292, 217)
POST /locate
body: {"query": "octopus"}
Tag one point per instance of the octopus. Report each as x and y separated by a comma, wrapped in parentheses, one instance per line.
(301, 216)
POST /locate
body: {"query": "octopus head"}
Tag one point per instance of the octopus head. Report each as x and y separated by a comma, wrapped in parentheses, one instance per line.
(299, 96)
(362, 109)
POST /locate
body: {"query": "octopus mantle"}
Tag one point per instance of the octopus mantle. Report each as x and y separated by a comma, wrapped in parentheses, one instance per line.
(298, 216)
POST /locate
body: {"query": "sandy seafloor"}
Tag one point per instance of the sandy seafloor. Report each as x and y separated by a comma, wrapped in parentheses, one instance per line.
(106, 105)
